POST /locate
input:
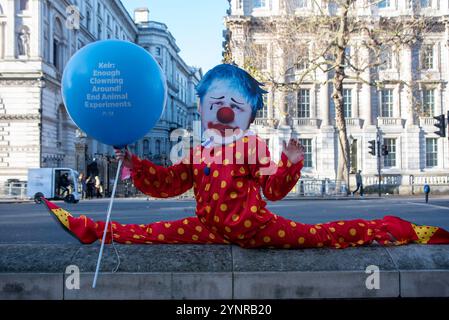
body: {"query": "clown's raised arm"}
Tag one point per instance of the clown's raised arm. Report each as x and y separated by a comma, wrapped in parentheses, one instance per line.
(276, 181)
(162, 182)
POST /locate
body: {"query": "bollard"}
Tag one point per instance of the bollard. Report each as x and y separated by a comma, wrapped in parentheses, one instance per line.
(426, 192)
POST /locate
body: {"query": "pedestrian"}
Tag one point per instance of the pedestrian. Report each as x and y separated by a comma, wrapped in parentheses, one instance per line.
(358, 180)
(426, 192)
(83, 186)
(90, 186)
(98, 187)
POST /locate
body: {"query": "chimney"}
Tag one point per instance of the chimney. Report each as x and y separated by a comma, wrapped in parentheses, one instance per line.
(141, 15)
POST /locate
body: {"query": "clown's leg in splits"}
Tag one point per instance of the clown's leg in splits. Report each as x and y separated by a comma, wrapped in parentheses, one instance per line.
(229, 172)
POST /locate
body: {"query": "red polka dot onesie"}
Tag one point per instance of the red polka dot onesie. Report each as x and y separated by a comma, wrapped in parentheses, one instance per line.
(228, 183)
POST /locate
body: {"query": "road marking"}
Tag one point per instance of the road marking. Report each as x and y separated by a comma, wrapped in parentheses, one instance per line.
(428, 205)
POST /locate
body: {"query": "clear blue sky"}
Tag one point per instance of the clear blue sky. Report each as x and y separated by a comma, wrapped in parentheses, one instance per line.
(197, 26)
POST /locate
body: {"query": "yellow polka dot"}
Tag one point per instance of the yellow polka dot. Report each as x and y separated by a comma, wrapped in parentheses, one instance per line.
(369, 232)
(136, 236)
(293, 224)
(215, 174)
(195, 237)
(301, 240)
(352, 232)
(185, 221)
(233, 195)
(280, 164)
(247, 223)
(156, 184)
(167, 225)
(223, 207)
(289, 164)
(245, 139)
(235, 217)
(238, 155)
(242, 170)
(225, 162)
(266, 239)
(312, 230)
(341, 239)
(361, 224)
(360, 242)
(319, 244)
(161, 237)
(211, 235)
(128, 242)
(265, 160)
(281, 233)
(149, 230)
(152, 170)
(338, 246)
(254, 209)
(252, 242)
(288, 178)
(198, 228)
(215, 196)
(146, 181)
(341, 223)
(216, 219)
(184, 176)
(195, 172)
(331, 229)
(227, 229)
(223, 184)
(164, 195)
(207, 187)
(317, 226)
(180, 231)
(207, 208)
(239, 184)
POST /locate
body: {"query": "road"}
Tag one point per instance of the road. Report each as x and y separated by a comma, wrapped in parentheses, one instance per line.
(31, 223)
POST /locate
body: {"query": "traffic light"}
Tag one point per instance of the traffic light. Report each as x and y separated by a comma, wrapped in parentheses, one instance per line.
(441, 125)
(372, 147)
(384, 150)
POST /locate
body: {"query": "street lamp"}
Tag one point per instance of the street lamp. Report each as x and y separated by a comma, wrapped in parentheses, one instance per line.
(348, 163)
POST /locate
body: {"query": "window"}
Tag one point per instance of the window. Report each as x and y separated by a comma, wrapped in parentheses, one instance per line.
(431, 152)
(259, 3)
(383, 4)
(428, 103)
(23, 5)
(425, 3)
(386, 109)
(347, 103)
(158, 51)
(261, 55)
(386, 58)
(158, 147)
(302, 61)
(303, 110)
(307, 143)
(99, 31)
(263, 113)
(427, 57)
(390, 159)
(88, 19)
(300, 4)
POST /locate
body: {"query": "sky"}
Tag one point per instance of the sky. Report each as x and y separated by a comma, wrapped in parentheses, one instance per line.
(197, 26)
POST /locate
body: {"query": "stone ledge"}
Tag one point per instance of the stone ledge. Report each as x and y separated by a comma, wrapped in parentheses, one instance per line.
(34, 271)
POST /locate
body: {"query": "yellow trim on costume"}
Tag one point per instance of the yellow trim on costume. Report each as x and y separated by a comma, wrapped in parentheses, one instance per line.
(424, 233)
(62, 216)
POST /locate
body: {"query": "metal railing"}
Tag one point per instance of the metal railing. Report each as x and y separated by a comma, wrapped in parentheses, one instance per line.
(16, 190)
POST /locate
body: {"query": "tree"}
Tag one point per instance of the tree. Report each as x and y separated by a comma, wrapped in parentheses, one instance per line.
(347, 40)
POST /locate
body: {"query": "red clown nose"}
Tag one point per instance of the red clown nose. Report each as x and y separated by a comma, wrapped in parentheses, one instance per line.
(225, 115)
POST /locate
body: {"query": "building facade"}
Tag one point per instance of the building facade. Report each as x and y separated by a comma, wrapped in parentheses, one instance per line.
(37, 38)
(416, 154)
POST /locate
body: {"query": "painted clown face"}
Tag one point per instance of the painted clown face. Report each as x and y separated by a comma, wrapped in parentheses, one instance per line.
(225, 113)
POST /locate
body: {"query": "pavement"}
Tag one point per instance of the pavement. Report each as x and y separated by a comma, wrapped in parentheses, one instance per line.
(37, 258)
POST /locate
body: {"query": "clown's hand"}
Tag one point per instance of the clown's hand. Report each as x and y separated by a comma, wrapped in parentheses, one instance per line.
(125, 156)
(294, 150)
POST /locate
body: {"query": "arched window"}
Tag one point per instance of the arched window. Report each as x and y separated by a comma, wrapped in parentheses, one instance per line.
(23, 5)
(146, 147)
(158, 147)
(58, 38)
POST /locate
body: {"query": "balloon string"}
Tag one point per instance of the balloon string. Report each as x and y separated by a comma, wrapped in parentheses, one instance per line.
(100, 255)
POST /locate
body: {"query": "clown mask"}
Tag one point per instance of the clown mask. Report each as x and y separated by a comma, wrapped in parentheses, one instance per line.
(225, 112)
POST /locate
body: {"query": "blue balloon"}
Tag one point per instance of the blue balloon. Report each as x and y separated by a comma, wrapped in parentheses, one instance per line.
(114, 91)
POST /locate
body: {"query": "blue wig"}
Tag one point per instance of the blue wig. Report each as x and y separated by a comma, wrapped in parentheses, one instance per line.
(240, 80)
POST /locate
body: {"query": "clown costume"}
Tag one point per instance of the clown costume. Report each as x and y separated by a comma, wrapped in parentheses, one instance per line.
(230, 173)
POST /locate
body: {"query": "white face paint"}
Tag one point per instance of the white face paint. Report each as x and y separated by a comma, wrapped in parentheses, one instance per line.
(225, 112)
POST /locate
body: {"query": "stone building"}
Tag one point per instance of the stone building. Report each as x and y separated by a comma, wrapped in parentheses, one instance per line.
(416, 154)
(37, 38)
